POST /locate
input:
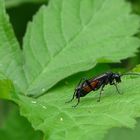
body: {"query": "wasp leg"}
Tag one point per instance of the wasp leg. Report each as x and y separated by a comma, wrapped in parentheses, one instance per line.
(71, 99)
(116, 87)
(77, 102)
(82, 79)
(101, 91)
(74, 92)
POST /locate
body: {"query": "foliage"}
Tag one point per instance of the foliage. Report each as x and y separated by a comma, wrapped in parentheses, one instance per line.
(81, 39)
(124, 133)
(90, 120)
(68, 38)
(16, 127)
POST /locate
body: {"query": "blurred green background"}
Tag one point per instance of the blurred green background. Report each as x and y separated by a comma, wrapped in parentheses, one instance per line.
(12, 125)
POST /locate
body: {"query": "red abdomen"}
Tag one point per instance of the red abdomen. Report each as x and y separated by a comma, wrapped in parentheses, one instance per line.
(93, 86)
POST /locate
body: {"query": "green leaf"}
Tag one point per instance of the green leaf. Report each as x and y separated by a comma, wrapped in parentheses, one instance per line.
(71, 36)
(91, 119)
(10, 53)
(64, 38)
(124, 133)
(6, 88)
(137, 68)
(16, 127)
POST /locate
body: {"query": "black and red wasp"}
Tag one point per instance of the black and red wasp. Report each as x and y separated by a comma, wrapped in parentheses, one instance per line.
(87, 85)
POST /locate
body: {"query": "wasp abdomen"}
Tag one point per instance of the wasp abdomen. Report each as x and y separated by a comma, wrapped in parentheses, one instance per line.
(91, 86)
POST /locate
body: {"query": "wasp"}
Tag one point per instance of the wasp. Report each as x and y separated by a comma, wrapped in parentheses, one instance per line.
(85, 86)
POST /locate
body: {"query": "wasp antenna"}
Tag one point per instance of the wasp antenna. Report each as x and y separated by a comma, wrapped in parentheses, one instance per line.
(130, 74)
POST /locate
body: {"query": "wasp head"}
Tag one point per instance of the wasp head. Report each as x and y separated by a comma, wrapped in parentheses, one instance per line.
(117, 77)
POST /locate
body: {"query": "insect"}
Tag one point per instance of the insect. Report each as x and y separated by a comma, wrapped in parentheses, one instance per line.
(85, 86)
